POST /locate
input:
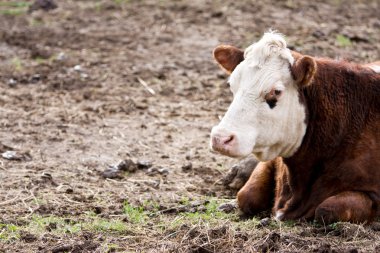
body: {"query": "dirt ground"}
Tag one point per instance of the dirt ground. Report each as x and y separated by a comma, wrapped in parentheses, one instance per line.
(92, 83)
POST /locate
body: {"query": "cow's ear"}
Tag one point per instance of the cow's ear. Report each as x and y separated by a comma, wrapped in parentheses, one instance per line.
(228, 57)
(303, 70)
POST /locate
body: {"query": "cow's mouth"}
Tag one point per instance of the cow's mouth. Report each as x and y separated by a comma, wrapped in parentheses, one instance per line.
(226, 152)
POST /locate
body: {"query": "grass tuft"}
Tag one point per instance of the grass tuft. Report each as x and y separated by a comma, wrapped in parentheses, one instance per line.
(135, 214)
(343, 41)
(12, 8)
(9, 232)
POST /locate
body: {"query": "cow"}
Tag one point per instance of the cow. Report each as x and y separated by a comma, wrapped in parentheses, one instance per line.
(314, 125)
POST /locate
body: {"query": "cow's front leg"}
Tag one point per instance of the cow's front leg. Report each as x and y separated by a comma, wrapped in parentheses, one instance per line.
(346, 206)
(258, 192)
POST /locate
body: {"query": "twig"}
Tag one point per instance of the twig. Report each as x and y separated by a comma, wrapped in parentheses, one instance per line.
(145, 85)
(10, 201)
(71, 201)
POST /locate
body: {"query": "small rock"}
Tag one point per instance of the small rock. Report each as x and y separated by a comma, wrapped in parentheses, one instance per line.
(63, 188)
(264, 222)
(69, 190)
(228, 207)
(46, 176)
(127, 165)
(152, 171)
(144, 164)
(12, 82)
(240, 173)
(187, 167)
(84, 75)
(141, 106)
(98, 210)
(112, 172)
(78, 68)
(35, 78)
(16, 156)
(45, 5)
(163, 171)
(61, 56)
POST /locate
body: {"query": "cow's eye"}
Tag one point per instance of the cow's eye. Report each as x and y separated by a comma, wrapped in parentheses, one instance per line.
(272, 97)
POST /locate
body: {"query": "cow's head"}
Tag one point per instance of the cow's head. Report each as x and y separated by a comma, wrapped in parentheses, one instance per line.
(266, 116)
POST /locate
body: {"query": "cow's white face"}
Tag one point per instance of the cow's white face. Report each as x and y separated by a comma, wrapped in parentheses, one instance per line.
(266, 116)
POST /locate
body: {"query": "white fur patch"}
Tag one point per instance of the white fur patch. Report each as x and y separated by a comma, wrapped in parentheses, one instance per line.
(376, 68)
(271, 44)
(279, 215)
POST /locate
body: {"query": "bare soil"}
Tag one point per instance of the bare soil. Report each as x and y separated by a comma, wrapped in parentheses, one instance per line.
(91, 83)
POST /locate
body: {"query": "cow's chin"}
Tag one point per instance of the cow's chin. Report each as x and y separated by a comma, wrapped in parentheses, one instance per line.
(265, 154)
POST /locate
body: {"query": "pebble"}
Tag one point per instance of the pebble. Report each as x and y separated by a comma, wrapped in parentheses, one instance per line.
(154, 171)
(240, 173)
(78, 68)
(163, 171)
(264, 222)
(228, 207)
(45, 5)
(127, 165)
(61, 56)
(187, 167)
(112, 172)
(12, 82)
(144, 164)
(16, 156)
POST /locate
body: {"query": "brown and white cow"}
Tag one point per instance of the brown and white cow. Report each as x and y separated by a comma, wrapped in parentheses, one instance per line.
(314, 124)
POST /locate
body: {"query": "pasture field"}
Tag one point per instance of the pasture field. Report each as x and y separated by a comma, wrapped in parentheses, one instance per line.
(95, 82)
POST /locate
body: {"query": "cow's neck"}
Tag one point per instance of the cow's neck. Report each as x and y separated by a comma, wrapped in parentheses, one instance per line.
(337, 108)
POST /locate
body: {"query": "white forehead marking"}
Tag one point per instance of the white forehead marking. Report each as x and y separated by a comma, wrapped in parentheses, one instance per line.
(271, 44)
(265, 62)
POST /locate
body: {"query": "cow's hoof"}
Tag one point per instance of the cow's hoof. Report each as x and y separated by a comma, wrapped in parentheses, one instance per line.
(279, 216)
(240, 173)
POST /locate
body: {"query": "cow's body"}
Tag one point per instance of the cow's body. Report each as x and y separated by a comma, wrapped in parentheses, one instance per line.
(334, 174)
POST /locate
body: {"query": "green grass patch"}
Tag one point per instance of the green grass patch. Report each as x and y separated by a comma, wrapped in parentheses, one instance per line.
(9, 232)
(343, 41)
(120, 1)
(102, 225)
(14, 8)
(135, 214)
(18, 4)
(60, 225)
(16, 63)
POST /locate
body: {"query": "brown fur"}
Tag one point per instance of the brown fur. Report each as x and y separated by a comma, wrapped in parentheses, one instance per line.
(335, 174)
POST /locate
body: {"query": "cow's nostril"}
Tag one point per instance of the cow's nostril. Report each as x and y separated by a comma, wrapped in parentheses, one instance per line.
(229, 139)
